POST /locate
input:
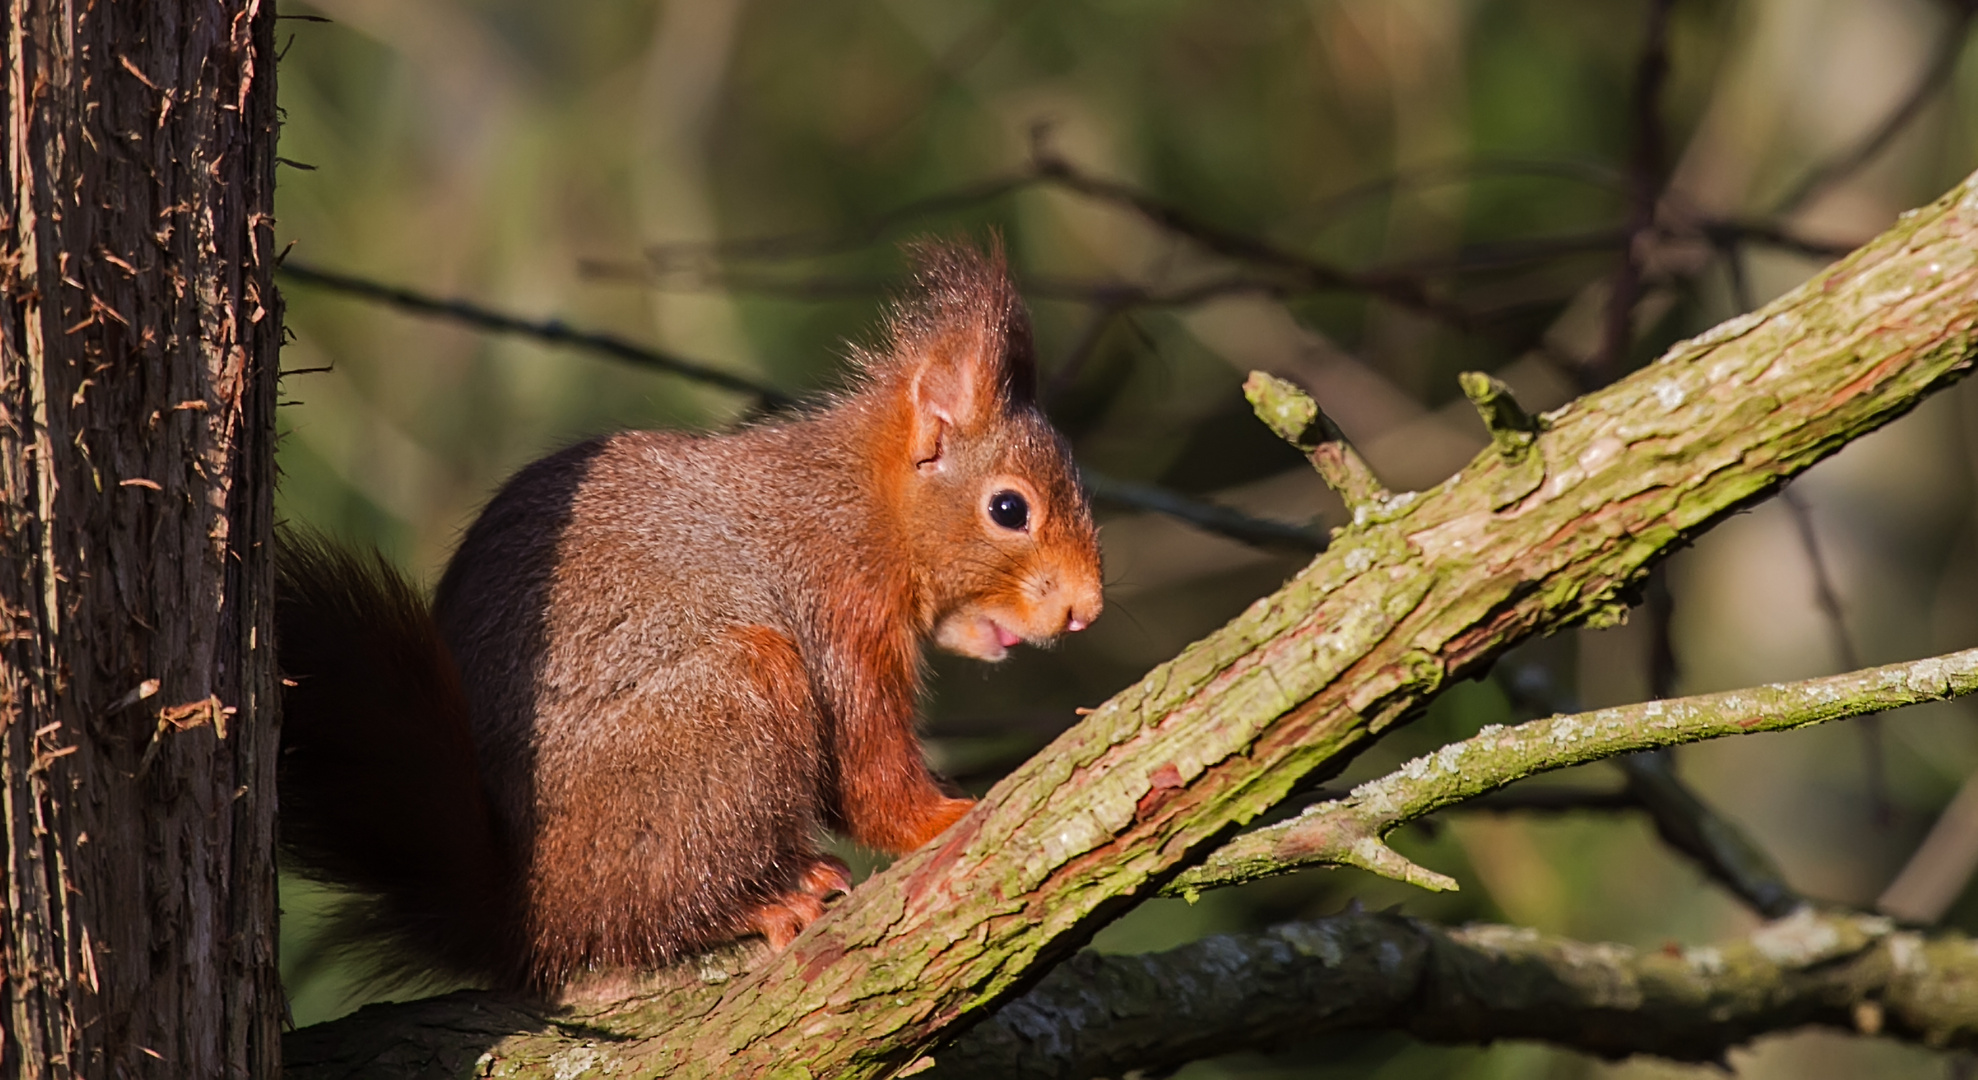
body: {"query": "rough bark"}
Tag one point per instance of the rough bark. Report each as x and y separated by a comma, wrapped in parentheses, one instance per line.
(138, 338)
(1115, 1015)
(1430, 587)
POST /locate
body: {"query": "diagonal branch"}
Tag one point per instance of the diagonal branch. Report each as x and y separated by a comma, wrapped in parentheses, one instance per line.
(1695, 829)
(553, 331)
(1646, 175)
(1350, 831)
(1124, 1015)
(1432, 589)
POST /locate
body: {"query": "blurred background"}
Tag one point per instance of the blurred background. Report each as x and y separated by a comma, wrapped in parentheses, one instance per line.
(1365, 196)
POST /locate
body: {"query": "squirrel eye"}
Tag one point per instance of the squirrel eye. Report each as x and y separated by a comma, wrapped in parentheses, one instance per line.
(1008, 509)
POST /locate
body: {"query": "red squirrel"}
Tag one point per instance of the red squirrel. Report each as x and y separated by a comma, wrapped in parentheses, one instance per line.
(659, 664)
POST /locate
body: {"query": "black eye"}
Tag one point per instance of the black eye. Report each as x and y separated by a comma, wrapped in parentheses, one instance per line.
(1008, 509)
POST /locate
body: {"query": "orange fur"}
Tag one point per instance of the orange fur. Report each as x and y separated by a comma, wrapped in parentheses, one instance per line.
(683, 657)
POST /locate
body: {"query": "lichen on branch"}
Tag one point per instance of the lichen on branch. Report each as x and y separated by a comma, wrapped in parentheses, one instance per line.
(1350, 831)
(1432, 588)
(1115, 1015)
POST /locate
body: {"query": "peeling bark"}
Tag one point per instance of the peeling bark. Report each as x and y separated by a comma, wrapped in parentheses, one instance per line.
(138, 336)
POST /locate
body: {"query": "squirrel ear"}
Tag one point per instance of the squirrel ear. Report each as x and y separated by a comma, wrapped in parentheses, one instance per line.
(947, 389)
(966, 340)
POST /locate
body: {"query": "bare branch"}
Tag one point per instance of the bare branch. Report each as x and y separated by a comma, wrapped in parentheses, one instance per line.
(1773, 234)
(1645, 179)
(554, 331)
(1940, 868)
(1689, 825)
(1550, 799)
(1829, 600)
(1206, 516)
(1695, 829)
(1209, 517)
(1931, 81)
(1310, 274)
(1824, 594)
(665, 258)
(1351, 831)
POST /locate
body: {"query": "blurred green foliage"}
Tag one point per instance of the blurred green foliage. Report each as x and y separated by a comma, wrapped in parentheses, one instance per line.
(533, 156)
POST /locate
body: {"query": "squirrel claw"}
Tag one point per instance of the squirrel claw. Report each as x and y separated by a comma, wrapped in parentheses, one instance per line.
(782, 919)
(829, 876)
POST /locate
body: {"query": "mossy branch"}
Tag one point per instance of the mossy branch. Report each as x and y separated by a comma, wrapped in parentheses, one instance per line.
(1350, 831)
(1436, 588)
(1297, 419)
(1512, 429)
(1122, 1015)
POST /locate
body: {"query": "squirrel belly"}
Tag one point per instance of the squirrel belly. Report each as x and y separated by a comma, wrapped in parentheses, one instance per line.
(659, 666)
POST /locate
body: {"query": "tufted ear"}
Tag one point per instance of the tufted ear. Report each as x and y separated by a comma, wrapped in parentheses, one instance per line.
(965, 341)
(953, 386)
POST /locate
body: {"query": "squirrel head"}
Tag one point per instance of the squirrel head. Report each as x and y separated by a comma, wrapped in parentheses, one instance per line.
(982, 488)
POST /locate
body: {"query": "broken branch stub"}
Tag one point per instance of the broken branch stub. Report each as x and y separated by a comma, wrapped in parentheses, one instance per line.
(1297, 419)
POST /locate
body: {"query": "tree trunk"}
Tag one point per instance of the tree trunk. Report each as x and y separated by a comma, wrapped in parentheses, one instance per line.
(138, 333)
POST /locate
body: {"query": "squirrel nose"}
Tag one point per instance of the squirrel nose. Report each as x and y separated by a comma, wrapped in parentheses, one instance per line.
(1080, 613)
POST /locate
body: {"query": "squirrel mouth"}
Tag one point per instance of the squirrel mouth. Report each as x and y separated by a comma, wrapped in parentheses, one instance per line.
(1003, 637)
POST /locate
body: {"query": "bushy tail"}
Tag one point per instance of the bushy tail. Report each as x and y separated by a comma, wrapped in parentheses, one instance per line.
(380, 792)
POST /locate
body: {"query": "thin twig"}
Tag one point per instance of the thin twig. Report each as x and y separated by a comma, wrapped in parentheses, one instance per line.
(1331, 207)
(704, 267)
(1550, 799)
(1823, 177)
(1400, 289)
(667, 258)
(1941, 866)
(1829, 600)
(554, 331)
(1683, 820)
(1824, 593)
(1072, 366)
(1116, 294)
(1351, 831)
(1207, 516)
(1645, 179)
(963, 53)
(1693, 828)
(1772, 234)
